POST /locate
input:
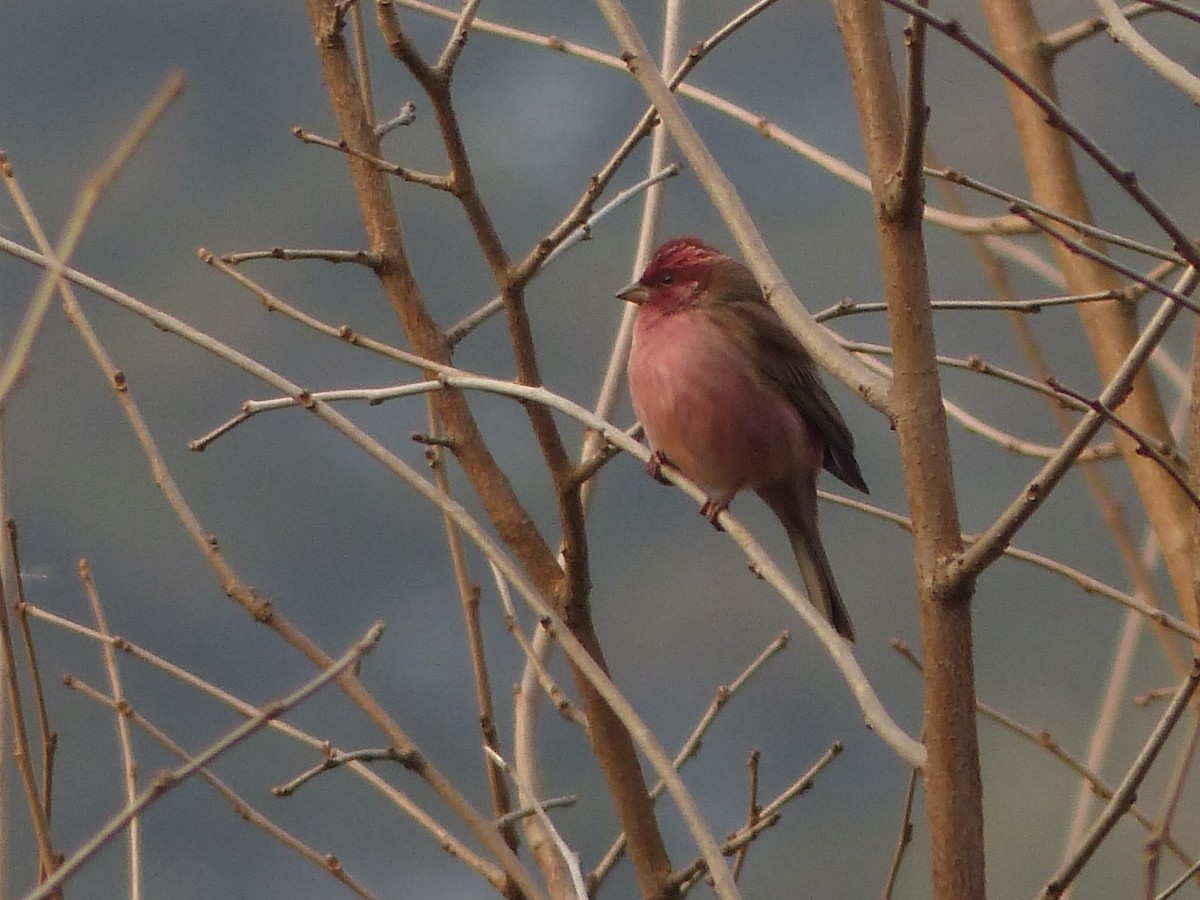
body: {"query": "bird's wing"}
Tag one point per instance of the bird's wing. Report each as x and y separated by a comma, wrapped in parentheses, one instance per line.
(785, 363)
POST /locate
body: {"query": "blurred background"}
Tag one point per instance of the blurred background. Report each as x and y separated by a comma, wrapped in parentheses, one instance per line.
(329, 537)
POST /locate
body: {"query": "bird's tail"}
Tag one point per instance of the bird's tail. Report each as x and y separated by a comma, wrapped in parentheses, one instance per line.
(815, 570)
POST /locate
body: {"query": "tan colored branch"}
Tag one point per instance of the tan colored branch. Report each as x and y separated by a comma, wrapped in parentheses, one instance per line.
(570, 585)
(382, 224)
(952, 780)
(1111, 327)
(1170, 71)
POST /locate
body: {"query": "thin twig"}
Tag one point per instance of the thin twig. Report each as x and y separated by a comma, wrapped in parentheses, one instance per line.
(335, 759)
(904, 838)
(362, 257)
(1166, 457)
(437, 182)
(528, 798)
(526, 811)
(1179, 882)
(458, 39)
(93, 189)
(468, 596)
(125, 739)
(1180, 9)
(1032, 305)
(1001, 532)
(1082, 249)
(1126, 792)
(166, 781)
(582, 232)
(1162, 65)
(1019, 205)
(533, 658)
(1172, 796)
(1124, 178)
(441, 836)
(980, 426)
(1065, 38)
(769, 816)
(753, 810)
(49, 737)
(691, 745)
(326, 861)
(37, 803)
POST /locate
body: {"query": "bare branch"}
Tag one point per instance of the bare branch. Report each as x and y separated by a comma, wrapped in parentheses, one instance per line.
(908, 194)
(93, 189)
(437, 182)
(362, 257)
(441, 836)
(760, 123)
(49, 737)
(981, 554)
(1124, 796)
(905, 836)
(769, 816)
(1046, 741)
(129, 765)
(1023, 205)
(166, 781)
(335, 759)
(455, 333)
(1032, 305)
(1166, 457)
(327, 862)
(1161, 64)
(1066, 38)
(458, 39)
(1124, 178)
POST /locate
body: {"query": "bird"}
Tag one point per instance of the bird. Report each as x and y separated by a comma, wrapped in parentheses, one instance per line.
(727, 395)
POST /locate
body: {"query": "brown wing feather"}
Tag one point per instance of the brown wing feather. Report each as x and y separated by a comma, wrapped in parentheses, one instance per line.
(737, 301)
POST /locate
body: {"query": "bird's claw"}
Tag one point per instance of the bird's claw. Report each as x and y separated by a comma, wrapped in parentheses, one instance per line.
(654, 466)
(713, 507)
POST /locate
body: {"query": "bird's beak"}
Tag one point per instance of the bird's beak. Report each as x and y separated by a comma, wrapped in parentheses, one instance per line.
(636, 292)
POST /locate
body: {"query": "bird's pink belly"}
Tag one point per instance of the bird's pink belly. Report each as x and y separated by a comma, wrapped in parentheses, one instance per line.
(709, 412)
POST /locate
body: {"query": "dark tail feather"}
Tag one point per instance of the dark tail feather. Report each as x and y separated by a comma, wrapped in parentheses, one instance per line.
(815, 570)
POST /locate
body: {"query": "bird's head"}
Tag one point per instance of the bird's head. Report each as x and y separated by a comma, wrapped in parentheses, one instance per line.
(677, 274)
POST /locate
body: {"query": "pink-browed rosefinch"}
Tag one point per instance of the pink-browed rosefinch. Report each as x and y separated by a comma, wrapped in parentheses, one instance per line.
(729, 397)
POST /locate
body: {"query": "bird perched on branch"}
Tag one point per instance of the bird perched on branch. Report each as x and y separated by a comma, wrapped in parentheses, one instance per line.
(729, 397)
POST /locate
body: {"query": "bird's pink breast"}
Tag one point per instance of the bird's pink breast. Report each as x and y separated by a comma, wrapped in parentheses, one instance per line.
(706, 407)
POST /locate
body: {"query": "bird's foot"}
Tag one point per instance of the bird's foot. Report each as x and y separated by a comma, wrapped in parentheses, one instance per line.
(654, 466)
(714, 506)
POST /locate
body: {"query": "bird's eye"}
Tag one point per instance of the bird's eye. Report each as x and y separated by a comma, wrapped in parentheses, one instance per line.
(667, 278)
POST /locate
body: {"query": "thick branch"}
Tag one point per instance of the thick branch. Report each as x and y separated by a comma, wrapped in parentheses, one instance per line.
(382, 224)
(952, 780)
(1111, 327)
(610, 740)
